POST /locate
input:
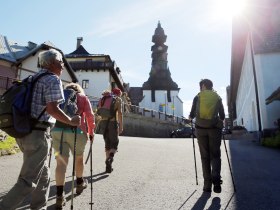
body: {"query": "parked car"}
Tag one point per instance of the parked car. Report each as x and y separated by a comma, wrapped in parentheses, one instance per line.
(185, 132)
(226, 131)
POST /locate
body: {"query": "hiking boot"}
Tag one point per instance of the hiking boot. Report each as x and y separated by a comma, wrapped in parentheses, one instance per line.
(108, 163)
(217, 187)
(80, 187)
(60, 202)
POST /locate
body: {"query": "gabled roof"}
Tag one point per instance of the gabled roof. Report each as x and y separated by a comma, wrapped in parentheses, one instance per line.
(10, 50)
(80, 51)
(15, 53)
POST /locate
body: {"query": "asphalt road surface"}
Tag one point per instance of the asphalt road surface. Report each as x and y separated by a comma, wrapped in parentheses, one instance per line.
(160, 174)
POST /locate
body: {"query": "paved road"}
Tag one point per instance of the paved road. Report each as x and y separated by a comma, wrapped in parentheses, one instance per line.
(159, 174)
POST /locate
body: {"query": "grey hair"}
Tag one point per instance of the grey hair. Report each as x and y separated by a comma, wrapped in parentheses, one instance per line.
(76, 87)
(47, 57)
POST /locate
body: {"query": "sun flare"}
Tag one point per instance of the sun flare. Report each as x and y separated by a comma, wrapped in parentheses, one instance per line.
(229, 8)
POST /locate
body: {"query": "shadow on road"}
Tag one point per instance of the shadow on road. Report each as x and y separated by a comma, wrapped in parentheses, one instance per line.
(186, 200)
(201, 202)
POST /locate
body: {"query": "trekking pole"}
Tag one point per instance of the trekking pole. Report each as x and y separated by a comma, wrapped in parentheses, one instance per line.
(229, 164)
(89, 153)
(91, 202)
(194, 154)
(50, 154)
(74, 162)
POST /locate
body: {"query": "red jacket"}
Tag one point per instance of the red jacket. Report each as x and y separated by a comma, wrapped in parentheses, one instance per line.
(86, 113)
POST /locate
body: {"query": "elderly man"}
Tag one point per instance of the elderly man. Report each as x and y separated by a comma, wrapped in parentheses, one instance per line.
(34, 177)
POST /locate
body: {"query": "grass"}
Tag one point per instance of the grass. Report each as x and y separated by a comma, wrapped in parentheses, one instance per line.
(273, 142)
(9, 146)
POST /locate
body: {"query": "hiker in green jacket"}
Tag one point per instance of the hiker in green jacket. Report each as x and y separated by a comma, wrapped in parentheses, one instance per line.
(208, 111)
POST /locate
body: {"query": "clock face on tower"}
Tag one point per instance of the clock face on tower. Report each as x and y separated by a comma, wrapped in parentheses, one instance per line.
(159, 48)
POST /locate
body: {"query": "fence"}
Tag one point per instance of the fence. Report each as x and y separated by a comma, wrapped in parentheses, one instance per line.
(145, 112)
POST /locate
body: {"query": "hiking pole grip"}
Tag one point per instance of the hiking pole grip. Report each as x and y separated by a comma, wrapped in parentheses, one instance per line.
(195, 167)
(229, 164)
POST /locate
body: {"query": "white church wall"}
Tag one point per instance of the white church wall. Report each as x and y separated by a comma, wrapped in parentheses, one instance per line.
(161, 100)
(268, 74)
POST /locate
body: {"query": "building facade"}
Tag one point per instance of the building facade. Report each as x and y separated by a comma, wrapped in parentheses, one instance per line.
(255, 67)
(95, 72)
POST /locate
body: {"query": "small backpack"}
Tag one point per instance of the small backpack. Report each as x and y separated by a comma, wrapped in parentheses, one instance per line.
(69, 106)
(106, 106)
(15, 107)
(207, 110)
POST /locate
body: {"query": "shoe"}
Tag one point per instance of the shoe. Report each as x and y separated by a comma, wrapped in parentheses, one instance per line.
(60, 202)
(80, 187)
(217, 187)
(108, 163)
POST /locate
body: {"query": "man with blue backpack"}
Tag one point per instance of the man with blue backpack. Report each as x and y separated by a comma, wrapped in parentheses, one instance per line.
(47, 94)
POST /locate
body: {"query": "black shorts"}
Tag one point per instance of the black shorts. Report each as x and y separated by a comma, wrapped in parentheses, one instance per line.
(110, 133)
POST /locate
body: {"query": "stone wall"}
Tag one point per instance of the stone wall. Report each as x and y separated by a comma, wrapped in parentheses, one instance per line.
(144, 126)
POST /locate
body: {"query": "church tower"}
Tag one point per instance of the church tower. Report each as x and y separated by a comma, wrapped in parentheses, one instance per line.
(160, 91)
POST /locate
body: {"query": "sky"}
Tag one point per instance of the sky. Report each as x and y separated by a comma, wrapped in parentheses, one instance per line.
(198, 35)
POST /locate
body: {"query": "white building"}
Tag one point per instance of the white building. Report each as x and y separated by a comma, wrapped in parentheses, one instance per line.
(17, 61)
(95, 72)
(255, 67)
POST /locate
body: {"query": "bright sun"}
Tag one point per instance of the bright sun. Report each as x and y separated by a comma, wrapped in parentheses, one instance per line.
(229, 8)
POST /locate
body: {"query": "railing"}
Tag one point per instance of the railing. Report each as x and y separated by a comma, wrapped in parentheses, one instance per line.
(145, 112)
(91, 65)
(154, 114)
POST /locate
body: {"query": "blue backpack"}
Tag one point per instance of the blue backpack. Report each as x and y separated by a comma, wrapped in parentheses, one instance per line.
(15, 107)
(69, 106)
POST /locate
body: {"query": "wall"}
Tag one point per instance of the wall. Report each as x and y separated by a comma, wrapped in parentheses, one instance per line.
(161, 98)
(139, 126)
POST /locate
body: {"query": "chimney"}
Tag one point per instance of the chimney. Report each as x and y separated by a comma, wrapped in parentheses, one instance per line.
(31, 45)
(79, 41)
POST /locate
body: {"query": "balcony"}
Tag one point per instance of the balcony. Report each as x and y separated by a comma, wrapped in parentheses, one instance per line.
(92, 65)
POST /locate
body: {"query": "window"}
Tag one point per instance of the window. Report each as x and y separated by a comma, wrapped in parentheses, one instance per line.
(85, 84)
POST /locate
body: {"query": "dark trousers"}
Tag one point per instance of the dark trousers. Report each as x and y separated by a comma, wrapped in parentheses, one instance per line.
(209, 141)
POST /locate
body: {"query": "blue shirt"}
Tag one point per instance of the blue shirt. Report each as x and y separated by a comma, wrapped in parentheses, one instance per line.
(47, 89)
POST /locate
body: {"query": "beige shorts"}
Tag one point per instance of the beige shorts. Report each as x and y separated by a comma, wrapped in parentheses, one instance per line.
(67, 143)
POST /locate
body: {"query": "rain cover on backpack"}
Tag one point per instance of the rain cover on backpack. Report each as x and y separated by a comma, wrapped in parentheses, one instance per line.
(69, 106)
(106, 106)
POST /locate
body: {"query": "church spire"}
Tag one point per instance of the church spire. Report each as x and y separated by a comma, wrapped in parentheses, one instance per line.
(160, 76)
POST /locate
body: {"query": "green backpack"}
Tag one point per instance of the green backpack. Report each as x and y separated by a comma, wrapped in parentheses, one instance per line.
(207, 110)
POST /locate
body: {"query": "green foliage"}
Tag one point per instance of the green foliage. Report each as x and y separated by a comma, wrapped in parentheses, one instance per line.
(8, 144)
(273, 142)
